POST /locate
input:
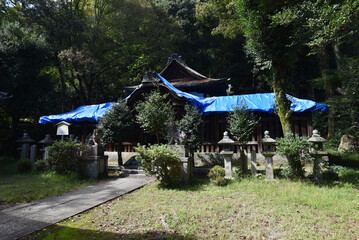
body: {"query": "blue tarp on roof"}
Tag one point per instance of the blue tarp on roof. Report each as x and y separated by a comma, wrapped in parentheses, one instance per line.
(88, 113)
(260, 102)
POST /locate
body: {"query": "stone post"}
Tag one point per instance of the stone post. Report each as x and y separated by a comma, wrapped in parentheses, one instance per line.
(227, 154)
(268, 152)
(24, 151)
(33, 152)
(46, 152)
(253, 161)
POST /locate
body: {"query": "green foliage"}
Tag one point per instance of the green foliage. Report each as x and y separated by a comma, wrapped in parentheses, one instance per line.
(64, 157)
(242, 123)
(192, 125)
(344, 159)
(23, 55)
(217, 174)
(117, 124)
(24, 165)
(296, 150)
(41, 166)
(346, 105)
(155, 114)
(161, 161)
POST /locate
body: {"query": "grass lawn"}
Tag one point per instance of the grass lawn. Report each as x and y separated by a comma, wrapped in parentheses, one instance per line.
(245, 209)
(15, 187)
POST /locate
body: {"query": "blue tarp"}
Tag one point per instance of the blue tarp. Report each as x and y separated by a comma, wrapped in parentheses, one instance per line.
(88, 113)
(260, 102)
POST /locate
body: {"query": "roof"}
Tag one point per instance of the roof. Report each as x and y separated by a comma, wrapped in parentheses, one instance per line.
(187, 79)
(260, 102)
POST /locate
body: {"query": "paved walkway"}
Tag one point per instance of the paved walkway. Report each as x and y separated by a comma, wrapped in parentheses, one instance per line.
(24, 219)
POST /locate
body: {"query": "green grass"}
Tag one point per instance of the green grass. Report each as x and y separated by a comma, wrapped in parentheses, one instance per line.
(245, 209)
(15, 187)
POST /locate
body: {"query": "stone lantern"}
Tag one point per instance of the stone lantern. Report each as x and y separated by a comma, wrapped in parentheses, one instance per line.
(317, 152)
(268, 151)
(227, 154)
(46, 142)
(25, 141)
(62, 129)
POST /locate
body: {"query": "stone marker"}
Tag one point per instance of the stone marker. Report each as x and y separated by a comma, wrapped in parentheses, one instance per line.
(33, 153)
(253, 161)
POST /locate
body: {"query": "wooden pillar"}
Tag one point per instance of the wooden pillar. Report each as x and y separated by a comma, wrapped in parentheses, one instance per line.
(309, 125)
(216, 132)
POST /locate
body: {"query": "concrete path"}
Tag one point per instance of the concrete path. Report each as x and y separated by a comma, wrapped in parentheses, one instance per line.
(24, 219)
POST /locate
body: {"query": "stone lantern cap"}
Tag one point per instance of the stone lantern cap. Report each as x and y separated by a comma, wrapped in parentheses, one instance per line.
(47, 140)
(25, 139)
(316, 138)
(226, 140)
(267, 139)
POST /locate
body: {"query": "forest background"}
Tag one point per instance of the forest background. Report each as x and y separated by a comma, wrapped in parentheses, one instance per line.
(58, 55)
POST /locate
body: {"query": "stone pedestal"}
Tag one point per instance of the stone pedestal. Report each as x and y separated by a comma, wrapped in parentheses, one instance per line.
(227, 155)
(269, 165)
(94, 162)
(185, 166)
(318, 164)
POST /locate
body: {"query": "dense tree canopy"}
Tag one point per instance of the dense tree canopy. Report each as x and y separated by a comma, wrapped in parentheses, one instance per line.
(57, 55)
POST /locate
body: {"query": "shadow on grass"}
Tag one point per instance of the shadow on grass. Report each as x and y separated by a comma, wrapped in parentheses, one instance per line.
(60, 232)
(198, 183)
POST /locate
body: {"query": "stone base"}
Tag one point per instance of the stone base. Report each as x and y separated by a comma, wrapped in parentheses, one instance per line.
(94, 166)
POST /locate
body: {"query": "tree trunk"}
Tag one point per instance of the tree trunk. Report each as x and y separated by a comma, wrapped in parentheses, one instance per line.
(63, 85)
(323, 57)
(283, 103)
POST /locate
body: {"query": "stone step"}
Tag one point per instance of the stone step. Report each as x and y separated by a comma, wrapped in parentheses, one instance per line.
(132, 171)
(113, 167)
(140, 175)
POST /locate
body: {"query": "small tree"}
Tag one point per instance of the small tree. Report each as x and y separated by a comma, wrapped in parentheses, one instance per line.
(117, 126)
(241, 124)
(161, 161)
(192, 125)
(295, 149)
(155, 114)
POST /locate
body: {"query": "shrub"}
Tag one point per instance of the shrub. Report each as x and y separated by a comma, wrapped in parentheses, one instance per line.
(24, 165)
(296, 150)
(64, 157)
(41, 166)
(161, 161)
(217, 174)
